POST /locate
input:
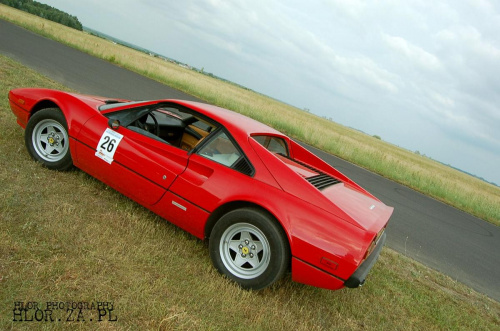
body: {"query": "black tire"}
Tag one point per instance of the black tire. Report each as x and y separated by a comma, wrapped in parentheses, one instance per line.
(47, 140)
(249, 247)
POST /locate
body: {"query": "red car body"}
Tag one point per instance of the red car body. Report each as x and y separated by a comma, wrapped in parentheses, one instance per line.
(334, 231)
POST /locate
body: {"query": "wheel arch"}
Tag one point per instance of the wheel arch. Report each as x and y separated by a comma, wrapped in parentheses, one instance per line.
(62, 105)
(233, 205)
(62, 160)
(44, 104)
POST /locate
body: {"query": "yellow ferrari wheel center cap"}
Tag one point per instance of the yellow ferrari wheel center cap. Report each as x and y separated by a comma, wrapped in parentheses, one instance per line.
(51, 140)
(244, 250)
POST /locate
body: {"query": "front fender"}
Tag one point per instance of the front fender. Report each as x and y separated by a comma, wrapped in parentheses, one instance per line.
(77, 109)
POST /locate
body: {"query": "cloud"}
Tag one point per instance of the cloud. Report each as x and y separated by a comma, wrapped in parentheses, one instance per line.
(415, 55)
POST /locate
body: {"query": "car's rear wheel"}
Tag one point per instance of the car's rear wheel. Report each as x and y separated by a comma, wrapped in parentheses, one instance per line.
(47, 139)
(249, 247)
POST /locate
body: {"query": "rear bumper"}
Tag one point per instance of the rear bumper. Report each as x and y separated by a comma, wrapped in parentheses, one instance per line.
(359, 276)
(305, 273)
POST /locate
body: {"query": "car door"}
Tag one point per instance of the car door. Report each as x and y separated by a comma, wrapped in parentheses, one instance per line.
(133, 163)
(217, 170)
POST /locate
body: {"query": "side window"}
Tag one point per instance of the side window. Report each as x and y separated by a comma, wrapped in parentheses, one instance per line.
(221, 150)
(273, 144)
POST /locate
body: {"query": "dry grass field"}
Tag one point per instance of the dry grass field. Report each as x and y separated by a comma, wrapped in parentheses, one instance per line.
(66, 237)
(418, 172)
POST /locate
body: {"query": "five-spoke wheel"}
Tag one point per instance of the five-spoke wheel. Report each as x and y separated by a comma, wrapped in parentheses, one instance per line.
(47, 139)
(250, 247)
(244, 250)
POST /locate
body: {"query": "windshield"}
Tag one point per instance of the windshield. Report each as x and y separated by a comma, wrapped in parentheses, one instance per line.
(166, 122)
(110, 104)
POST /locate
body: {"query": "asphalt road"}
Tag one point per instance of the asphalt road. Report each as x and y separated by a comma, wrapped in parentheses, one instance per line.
(462, 246)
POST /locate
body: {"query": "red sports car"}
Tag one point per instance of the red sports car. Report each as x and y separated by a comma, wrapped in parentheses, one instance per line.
(266, 204)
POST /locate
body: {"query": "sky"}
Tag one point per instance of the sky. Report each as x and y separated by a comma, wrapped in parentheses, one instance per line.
(421, 74)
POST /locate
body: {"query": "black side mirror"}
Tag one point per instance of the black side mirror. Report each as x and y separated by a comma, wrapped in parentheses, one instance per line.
(114, 123)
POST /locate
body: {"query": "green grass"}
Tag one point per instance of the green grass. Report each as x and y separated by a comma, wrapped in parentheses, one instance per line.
(65, 236)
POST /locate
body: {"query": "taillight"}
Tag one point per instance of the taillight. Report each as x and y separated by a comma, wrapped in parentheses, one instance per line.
(374, 243)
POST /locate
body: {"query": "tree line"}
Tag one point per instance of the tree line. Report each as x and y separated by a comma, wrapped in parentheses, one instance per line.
(45, 11)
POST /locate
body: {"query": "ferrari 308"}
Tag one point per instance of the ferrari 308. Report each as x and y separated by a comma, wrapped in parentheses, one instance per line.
(265, 203)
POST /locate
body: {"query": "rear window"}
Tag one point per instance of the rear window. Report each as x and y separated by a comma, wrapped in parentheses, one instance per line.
(273, 144)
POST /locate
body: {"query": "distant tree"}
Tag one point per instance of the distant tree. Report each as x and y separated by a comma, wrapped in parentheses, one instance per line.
(45, 11)
(377, 137)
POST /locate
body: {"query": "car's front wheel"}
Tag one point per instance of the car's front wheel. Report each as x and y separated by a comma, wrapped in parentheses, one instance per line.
(249, 247)
(47, 139)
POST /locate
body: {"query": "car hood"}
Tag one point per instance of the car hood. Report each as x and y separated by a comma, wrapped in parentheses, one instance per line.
(95, 101)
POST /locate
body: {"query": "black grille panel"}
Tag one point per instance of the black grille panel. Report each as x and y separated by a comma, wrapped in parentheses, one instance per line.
(322, 181)
(243, 166)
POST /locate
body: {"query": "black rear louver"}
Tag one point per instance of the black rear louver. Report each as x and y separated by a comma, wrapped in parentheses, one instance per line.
(322, 181)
